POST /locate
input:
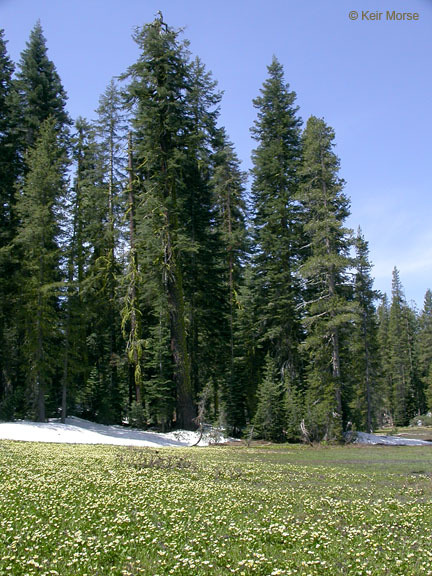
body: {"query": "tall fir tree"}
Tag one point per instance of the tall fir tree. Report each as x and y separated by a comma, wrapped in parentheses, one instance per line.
(248, 364)
(40, 98)
(130, 311)
(327, 294)
(42, 95)
(181, 251)
(10, 169)
(158, 87)
(270, 417)
(37, 241)
(97, 321)
(111, 129)
(364, 341)
(385, 417)
(203, 267)
(276, 215)
(9, 160)
(401, 351)
(424, 355)
(229, 198)
(87, 177)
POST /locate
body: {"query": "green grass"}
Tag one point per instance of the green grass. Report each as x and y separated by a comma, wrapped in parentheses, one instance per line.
(76, 510)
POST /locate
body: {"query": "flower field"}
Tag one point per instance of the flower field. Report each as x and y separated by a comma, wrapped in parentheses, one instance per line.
(105, 510)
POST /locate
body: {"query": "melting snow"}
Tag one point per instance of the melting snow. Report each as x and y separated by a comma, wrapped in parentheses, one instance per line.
(79, 431)
(364, 438)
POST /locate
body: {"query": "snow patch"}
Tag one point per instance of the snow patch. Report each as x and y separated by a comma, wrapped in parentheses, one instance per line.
(364, 438)
(79, 431)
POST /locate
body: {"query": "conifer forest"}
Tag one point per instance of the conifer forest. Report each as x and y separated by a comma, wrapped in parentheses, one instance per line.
(146, 278)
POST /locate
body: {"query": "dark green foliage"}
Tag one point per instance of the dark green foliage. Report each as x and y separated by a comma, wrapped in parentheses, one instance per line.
(10, 168)
(248, 354)
(37, 242)
(35, 100)
(425, 351)
(277, 233)
(203, 268)
(42, 95)
(327, 296)
(401, 350)
(86, 228)
(271, 320)
(158, 387)
(294, 410)
(228, 182)
(9, 161)
(111, 131)
(181, 248)
(364, 342)
(384, 380)
(96, 198)
(270, 416)
(158, 86)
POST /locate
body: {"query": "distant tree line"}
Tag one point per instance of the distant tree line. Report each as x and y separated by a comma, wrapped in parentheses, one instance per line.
(139, 278)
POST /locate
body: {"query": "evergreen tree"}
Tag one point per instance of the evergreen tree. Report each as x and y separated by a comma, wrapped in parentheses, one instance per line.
(229, 190)
(38, 243)
(277, 234)
(401, 351)
(9, 173)
(158, 89)
(83, 214)
(425, 352)
(385, 392)
(130, 312)
(294, 410)
(203, 267)
(247, 353)
(111, 129)
(180, 246)
(364, 343)
(39, 98)
(97, 320)
(270, 417)
(9, 162)
(328, 307)
(42, 95)
(77, 254)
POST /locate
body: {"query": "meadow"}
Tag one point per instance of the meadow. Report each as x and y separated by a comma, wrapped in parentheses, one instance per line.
(270, 510)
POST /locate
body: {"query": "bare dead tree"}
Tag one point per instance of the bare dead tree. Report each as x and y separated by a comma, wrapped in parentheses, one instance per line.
(199, 420)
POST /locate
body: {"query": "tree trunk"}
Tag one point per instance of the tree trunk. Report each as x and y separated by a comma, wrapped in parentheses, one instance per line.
(185, 408)
(40, 383)
(65, 369)
(367, 378)
(334, 334)
(134, 268)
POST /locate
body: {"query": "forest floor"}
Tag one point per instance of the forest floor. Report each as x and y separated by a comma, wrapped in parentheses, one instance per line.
(265, 510)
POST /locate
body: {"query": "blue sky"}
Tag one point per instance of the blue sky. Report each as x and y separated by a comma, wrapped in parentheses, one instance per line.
(370, 80)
